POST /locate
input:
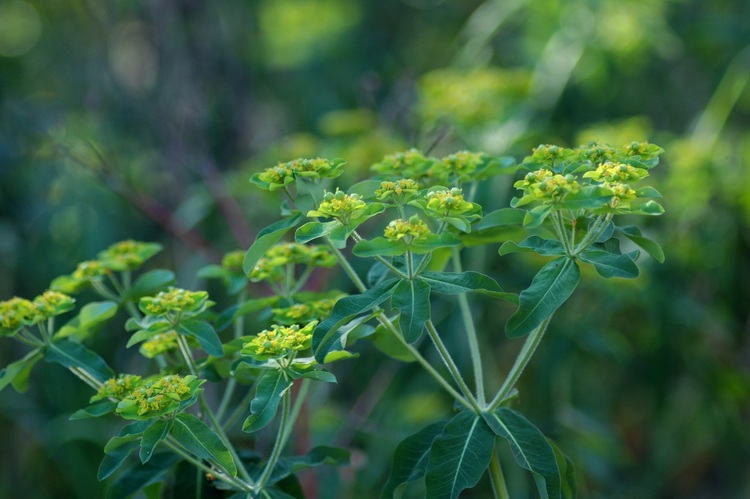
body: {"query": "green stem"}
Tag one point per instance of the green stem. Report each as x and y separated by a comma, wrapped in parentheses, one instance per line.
(280, 441)
(302, 280)
(471, 334)
(103, 291)
(409, 265)
(240, 408)
(452, 368)
(597, 229)
(239, 327)
(383, 319)
(86, 377)
(497, 478)
(382, 260)
(524, 356)
(186, 354)
(559, 225)
(220, 475)
(223, 436)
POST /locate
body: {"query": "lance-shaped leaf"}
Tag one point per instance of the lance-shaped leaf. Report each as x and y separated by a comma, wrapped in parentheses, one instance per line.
(410, 459)
(550, 288)
(71, 354)
(267, 238)
(589, 197)
(327, 335)
(91, 317)
(611, 265)
(271, 388)
(459, 456)
(150, 283)
(317, 456)
(119, 448)
(18, 372)
(501, 218)
(154, 434)
(530, 448)
(314, 230)
(546, 247)
(536, 216)
(412, 298)
(569, 483)
(94, 410)
(140, 477)
(454, 283)
(651, 247)
(204, 333)
(195, 436)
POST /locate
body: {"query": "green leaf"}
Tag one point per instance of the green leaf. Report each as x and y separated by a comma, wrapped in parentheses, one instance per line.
(91, 317)
(267, 238)
(410, 459)
(651, 247)
(550, 288)
(317, 456)
(309, 194)
(536, 216)
(569, 483)
(501, 218)
(650, 207)
(94, 410)
(18, 372)
(459, 456)
(204, 333)
(530, 448)
(610, 265)
(588, 197)
(647, 192)
(271, 387)
(155, 433)
(119, 448)
(139, 477)
(149, 283)
(546, 247)
(454, 283)
(387, 342)
(314, 230)
(412, 298)
(196, 437)
(328, 335)
(379, 246)
(71, 354)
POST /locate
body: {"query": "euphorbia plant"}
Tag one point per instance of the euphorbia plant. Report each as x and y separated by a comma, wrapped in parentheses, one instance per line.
(411, 220)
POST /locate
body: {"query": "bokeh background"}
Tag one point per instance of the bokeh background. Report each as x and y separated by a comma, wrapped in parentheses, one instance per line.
(144, 119)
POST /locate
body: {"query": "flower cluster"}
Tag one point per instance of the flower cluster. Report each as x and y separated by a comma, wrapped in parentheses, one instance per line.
(271, 265)
(459, 167)
(279, 340)
(407, 231)
(18, 312)
(445, 202)
(283, 174)
(158, 397)
(159, 343)
(301, 313)
(233, 260)
(127, 255)
(400, 191)
(616, 172)
(173, 300)
(341, 206)
(117, 388)
(410, 164)
(90, 269)
(544, 185)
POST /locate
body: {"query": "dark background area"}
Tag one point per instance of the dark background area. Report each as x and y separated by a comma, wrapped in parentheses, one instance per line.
(144, 120)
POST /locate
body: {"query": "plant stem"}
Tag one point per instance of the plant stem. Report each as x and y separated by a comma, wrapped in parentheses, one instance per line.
(383, 319)
(471, 334)
(559, 226)
(280, 441)
(220, 475)
(524, 356)
(187, 355)
(223, 436)
(302, 280)
(497, 478)
(86, 377)
(382, 260)
(452, 368)
(239, 327)
(240, 408)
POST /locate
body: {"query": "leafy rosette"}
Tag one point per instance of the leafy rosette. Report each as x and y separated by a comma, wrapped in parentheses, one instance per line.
(401, 236)
(283, 174)
(160, 396)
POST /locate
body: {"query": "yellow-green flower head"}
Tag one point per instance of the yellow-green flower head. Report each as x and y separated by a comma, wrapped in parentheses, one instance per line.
(173, 300)
(280, 174)
(407, 231)
(159, 343)
(233, 261)
(302, 313)
(283, 173)
(279, 340)
(462, 163)
(158, 397)
(320, 256)
(400, 191)
(52, 303)
(88, 270)
(643, 149)
(411, 163)
(340, 205)
(623, 192)
(127, 255)
(550, 153)
(616, 172)
(545, 185)
(448, 202)
(15, 313)
(596, 153)
(118, 388)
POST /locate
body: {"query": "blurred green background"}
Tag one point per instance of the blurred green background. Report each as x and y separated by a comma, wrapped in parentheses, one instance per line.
(144, 119)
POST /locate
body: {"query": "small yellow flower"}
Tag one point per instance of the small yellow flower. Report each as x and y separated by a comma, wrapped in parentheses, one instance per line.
(159, 343)
(407, 231)
(616, 172)
(448, 202)
(155, 398)
(118, 387)
(548, 186)
(90, 269)
(16, 312)
(411, 163)
(340, 205)
(400, 191)
(278, 340)
(173, 300)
